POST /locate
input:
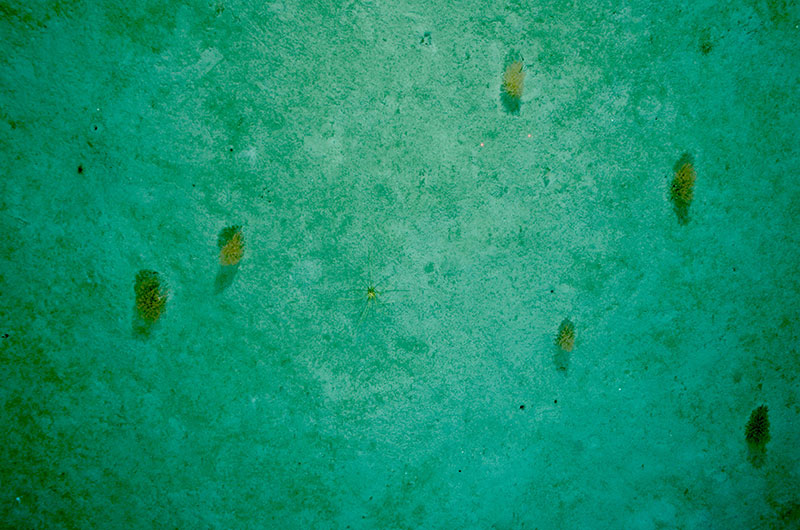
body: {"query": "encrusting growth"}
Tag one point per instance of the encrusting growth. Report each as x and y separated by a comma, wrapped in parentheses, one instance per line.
(231, 245)
(566, 335)
(151, 299)
(682, 187)
(757, 430)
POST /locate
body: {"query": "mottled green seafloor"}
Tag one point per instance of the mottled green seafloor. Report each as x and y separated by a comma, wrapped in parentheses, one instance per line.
(351, 149)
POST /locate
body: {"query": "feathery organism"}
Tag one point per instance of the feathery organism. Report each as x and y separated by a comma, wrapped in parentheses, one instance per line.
(151, 298)
(756, 432)
(514, 79)
(566, 335)
(682, 187)
(369, 295)
(231, 245)
(513, 85)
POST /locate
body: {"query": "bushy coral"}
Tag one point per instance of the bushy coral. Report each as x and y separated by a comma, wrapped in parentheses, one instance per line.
(756, 432)
(513, 85)
(514, 80)
(682, 187)
(566, 335)
(151, 298)
(231, 245)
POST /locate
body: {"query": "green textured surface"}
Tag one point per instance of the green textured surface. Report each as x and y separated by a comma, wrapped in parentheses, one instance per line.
(351, 151)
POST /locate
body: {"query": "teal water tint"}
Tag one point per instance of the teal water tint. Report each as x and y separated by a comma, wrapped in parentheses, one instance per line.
(366, 143)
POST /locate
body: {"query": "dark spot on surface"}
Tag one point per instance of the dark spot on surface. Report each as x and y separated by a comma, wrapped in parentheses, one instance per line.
(5, 335)
(230, 149)
(426, 38)
(734, 269)
(522, 407)
(80, 168)
(95, 127)
(555, 401)
(551, 290)
(459, 471)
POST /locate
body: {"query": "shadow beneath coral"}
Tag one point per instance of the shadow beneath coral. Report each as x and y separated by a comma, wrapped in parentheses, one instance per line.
(561, 360)
(682, 212)
(140, 328)
(510, 103)
(756, 455)
(225, 276)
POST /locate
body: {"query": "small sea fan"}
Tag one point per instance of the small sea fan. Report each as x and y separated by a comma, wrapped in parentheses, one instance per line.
(757, 430)
(231, 245)
(682, 187)
(566, 335)
(514, 80)
(151, 299)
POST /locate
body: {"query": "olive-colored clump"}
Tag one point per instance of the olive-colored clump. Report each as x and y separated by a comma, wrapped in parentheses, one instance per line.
(512, 87)
(151, 298)
(682, 187)
(514, 80)
(231, 245)
(566, 335)
(756, 432)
